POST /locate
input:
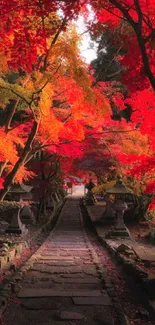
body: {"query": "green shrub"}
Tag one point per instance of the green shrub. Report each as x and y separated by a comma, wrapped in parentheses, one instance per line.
(6, 242)
(100, 189)
(62, 192)
(150, 215)
(6, 206)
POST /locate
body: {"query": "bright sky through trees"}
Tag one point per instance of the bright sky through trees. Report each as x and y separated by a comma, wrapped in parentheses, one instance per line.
(87, 52)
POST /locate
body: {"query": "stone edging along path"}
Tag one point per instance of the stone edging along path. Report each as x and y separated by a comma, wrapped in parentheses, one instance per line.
(12, 265)
(107, 283)
(14, 252)
(128, 264)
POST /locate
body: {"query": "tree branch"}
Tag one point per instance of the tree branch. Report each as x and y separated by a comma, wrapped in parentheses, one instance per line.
(124, 12)
(54, 40)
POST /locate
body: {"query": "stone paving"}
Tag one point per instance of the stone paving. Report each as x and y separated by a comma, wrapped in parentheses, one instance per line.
(62, 284)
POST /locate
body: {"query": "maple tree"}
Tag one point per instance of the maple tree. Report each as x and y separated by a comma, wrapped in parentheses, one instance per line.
(46, 91)
(51, 102)
(47, 180)
(131, 26)
(134, 22)
(106, 145)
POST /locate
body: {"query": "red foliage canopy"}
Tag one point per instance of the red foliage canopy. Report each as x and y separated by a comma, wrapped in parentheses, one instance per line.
(24, 30)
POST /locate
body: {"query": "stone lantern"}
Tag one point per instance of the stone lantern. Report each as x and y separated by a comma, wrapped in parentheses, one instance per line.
(120, 206)
(16, 226)
(89, 196)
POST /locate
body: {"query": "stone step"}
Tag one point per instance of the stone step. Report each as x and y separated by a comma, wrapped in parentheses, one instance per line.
(35, 292)
(40, 304)
(55, 269)
(68, 315)
(77, 280)
(89, 293)
(56, 257)
(73, 275)
(62, 286)
(62, 263)
(104, 301)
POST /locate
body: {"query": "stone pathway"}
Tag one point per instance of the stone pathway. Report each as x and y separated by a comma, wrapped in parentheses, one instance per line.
(61, 284)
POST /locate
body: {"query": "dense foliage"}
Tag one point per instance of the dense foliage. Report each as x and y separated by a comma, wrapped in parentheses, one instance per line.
(52, 102)
(46, 94)
(131, 26)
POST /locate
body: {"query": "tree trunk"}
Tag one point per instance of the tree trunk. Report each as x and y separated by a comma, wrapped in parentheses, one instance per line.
(13, 104)
(139, 33)
(20, 162)
(145, 59)
(2, 166)
(40, 210)
(59, 195)
(54, 204)
(143, 203)
(44, 207)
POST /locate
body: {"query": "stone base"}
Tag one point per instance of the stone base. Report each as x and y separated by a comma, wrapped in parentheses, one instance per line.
(13, 231)
(119, 232)
(16, 226)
